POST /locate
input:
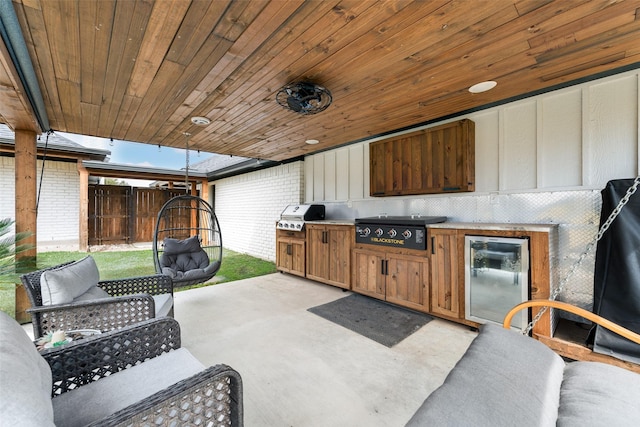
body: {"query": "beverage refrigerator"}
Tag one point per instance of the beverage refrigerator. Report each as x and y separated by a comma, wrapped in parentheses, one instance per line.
(496, 278)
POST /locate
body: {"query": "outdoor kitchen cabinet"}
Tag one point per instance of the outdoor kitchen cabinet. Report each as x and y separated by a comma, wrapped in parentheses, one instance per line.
(290, 252)
(329, 253)
(436, 160)
(394, 277)
(447, 281)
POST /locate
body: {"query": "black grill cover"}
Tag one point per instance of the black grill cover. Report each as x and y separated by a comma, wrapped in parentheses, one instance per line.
(616, 293)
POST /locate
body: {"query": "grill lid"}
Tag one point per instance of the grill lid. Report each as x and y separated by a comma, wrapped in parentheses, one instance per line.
(303, 212)
(413, 220)
(294, 216)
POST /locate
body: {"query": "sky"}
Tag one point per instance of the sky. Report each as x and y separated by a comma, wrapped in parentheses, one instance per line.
(136, 154)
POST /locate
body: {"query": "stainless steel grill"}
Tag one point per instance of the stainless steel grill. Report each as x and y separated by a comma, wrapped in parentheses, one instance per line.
(293, 217)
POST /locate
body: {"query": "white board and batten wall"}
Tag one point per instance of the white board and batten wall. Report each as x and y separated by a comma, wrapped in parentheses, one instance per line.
(573, 138)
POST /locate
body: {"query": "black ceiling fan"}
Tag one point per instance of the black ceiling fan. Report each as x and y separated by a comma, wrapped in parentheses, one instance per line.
(304, 97)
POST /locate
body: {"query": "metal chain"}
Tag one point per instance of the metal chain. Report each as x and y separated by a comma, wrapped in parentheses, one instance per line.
(605, 226)
(186, 174)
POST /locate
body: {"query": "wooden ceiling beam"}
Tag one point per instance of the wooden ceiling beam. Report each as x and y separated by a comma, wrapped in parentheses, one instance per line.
(17, 112)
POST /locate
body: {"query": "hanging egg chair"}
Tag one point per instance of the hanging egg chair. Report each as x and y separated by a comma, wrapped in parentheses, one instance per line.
(187, 243)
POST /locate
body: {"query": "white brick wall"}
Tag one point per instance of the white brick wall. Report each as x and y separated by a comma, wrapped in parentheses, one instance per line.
(7, 184)
(248, 206)
(59, 206)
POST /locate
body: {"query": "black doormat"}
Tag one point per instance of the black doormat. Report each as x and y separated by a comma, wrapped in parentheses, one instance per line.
(377, 320)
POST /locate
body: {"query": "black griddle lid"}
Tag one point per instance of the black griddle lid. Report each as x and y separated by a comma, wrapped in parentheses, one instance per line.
(413, 220)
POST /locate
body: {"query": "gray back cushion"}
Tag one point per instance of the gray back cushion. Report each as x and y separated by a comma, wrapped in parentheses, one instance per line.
(64, 284)
(595, 394)
(25, 379)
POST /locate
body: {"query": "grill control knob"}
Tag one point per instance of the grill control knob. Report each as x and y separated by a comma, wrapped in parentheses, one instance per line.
(379, 232)
(364, 232)
(406, 234)
(298, 226)
(392, 232)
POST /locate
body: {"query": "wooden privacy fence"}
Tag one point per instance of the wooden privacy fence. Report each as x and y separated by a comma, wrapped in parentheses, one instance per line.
(120, 214)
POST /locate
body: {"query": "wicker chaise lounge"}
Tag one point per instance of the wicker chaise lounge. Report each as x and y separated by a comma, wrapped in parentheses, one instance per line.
(137, 375)
(71, 296)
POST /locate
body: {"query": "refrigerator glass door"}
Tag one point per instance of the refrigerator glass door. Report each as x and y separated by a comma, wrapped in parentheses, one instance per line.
(496, 278)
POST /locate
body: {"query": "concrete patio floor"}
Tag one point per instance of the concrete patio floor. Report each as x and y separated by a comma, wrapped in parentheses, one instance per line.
(299, 369)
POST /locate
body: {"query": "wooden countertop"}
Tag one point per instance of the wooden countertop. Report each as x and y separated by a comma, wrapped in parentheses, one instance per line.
(332, 222)
(495, 226)
(499, 226)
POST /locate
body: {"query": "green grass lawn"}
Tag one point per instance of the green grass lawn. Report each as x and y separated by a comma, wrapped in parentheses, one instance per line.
(117, 265)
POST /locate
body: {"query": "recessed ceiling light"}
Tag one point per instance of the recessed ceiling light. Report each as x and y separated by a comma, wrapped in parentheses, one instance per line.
(482, 86)
(200, 121)
(312, 141)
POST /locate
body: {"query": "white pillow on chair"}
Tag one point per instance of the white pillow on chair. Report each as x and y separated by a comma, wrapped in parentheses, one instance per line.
(64, 284)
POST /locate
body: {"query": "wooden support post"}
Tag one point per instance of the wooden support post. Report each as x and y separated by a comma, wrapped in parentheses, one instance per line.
(84, 208)
(25, 210)
(204, 190)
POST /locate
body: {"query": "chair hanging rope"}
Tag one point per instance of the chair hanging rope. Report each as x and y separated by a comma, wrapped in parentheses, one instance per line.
(44, 159)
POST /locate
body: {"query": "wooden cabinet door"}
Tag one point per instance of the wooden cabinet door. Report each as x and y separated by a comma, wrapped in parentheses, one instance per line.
(317, 253)
(447, 288)
(377, 170)
(435, 160)
(329, 254)
(408, 281)
(283, 260)
(340, 241)
(297, 263)
(368, 273)
(290, 256)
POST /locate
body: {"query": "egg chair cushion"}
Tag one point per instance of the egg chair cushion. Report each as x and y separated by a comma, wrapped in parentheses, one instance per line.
(184, 257)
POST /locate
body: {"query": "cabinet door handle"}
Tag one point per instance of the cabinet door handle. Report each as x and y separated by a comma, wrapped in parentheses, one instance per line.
(382, 267)
(289, 250)
(433, 247)
(385, 267)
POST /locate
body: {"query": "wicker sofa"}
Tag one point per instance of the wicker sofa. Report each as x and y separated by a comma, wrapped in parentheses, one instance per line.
(507, 379)
(136, 375)
(71, 296)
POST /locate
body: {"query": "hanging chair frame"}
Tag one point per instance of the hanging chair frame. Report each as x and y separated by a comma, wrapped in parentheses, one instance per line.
(183, 217)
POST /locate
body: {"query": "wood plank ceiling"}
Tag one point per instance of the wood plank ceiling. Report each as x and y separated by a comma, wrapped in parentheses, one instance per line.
(138, 70)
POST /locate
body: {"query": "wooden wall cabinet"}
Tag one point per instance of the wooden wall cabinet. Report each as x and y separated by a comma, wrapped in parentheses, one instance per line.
(290, 252)
(436, 160)
(394, 277)
(329, 253)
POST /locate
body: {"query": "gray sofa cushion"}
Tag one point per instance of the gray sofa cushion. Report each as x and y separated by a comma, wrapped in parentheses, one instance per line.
(25, 393)
(504, 379)
(99, 399)
(64, 284)
(93, 293)
(595, 394)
